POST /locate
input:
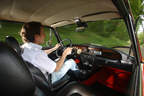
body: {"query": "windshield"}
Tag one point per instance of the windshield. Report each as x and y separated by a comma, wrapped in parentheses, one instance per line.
(112, 33)
(105, 33)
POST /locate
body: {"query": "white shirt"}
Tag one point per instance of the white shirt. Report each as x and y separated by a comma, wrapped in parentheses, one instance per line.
(33, 54)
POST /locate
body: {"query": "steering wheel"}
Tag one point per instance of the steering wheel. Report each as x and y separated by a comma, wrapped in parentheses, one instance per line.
(60, 50)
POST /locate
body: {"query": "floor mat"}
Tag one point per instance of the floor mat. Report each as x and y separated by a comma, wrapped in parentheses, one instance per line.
(101, 90)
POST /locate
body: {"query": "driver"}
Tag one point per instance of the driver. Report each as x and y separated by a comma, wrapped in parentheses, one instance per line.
(33, 35)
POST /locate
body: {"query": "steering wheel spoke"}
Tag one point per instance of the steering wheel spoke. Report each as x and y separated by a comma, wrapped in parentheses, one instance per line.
(60, 50)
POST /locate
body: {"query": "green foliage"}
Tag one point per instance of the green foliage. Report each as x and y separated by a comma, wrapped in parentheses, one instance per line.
(10, 29)
(106, 33)
(120, 31)
(110, 28)
(141, 38)
(137, 7)
(13, 29)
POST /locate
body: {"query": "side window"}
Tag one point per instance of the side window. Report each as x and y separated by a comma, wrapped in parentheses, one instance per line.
(13, 29)
(10, 29)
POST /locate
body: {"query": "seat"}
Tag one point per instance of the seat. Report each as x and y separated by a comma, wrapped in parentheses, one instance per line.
(38, 76)
(16, 79)
(15, 76)
(45, 84)
(11, 41)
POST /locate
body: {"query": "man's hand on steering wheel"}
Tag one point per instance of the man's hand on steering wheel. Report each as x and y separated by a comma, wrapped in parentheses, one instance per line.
(57, 46)
(63, 48)
(67, 51)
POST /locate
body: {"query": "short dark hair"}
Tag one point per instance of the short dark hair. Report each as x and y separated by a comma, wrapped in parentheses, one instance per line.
(29, 30)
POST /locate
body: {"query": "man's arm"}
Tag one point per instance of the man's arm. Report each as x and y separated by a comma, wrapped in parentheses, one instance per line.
(60, 62)
(52, 49)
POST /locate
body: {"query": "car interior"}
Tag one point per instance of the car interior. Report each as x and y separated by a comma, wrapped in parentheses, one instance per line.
(31, 81)
(103, 71)
(100, 75)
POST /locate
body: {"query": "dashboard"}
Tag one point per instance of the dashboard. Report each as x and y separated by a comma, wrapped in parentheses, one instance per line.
(99, 51)
(92, 58)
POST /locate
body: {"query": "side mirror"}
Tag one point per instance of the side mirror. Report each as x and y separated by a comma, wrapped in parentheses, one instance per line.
(138, 21)
(139, 28)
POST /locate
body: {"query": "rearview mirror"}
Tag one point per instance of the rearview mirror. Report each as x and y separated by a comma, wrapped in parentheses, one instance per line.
(80, 25)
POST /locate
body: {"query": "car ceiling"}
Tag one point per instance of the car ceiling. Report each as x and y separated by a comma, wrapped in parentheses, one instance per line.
(57, 13)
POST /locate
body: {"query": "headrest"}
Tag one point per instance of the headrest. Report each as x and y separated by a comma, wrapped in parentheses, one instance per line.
(11, 41)
(15, 78)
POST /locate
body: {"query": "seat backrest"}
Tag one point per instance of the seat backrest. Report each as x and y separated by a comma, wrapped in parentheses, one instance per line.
(44, 83)
(15, 78)
(39, 79)
(11, 41)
